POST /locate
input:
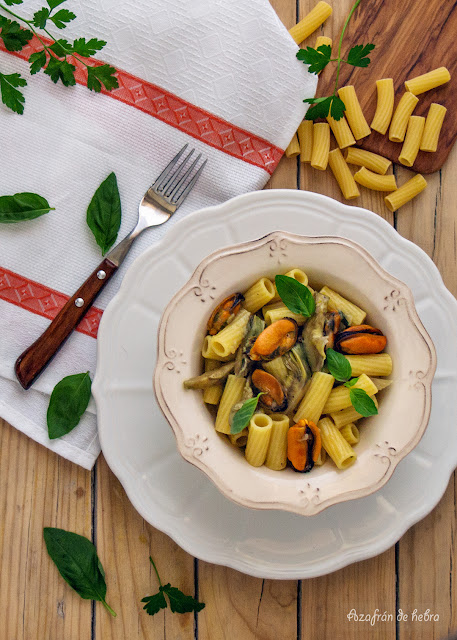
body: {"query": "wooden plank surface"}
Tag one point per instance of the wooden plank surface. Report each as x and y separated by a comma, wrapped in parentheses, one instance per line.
(411, 38)
(38, 488)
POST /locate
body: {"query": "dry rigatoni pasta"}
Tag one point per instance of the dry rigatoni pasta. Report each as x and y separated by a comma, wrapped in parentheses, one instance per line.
(312, 21)
(321, 146)
(401, 116)
(374, 181)
(405, 193)
(354, 114)
(305, 139)
(410, 148)
(341, 131)
(384, 105)
(368, 159)
(293, 148)
(343, 175)
(432, 130)
(428, 81)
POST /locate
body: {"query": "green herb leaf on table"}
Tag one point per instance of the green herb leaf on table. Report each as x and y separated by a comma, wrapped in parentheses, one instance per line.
(14, 37)
(295, 295)
(62, 17)
(61, 47)
(101, 75)
(338, 365)
(104, 213)
(54, 3)
(22, 206)
(362, 403)
(40, 17)
(10, 3)
(37, 61)
(358, 55)
(89, 48)
(77, 561)
(317, 59)
(11, 96)
(179, 602)
(61, 70)
(69, 400)
(243, 416)
(332, 105)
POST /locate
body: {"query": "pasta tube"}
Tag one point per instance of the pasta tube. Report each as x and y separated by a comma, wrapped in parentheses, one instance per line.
(354, 314)
(311, 22)
(232, 394)
(335, 445)
(340, 399)
(277, 449)
(278, 311)
(343, 175)
(260, 294)
(344, 417)
(350, 433)
(228, 339)
(412, 141)
(323, 40)
(432, 128)
(341, 131)
(209, 352)
(321, 145)
(212, 395)
(313, 402)
(293, 148)
(384, 106)
(239, 439)
(354, 114)
(428, 81)
(258, 439)
(402, 113)
(296, 274)
(374, 181)
(405, 193)
(371, 161)
(378, 364)
(305, 139)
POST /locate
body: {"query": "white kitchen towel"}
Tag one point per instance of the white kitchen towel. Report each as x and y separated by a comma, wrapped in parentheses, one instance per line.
(220, 75)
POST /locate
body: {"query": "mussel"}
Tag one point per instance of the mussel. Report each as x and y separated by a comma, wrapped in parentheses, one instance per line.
(224, 313)
(303, 445)
(273, 396)
(275, 340)
(360, 339)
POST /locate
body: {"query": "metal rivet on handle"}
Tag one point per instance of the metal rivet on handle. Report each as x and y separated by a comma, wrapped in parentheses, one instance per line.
(79, 302)
(101, 275)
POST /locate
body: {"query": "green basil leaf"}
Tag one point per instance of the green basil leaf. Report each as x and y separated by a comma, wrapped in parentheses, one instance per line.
(154, 603)
(104, 213)
(338, 365)
(76, 559)
(243, 416)
(351, 383)
(179, 602)
(295, 295)
(362, 403)
(22, 206)
(67, 404)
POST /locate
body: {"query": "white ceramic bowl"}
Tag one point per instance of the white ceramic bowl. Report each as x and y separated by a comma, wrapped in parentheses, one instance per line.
(385, 438)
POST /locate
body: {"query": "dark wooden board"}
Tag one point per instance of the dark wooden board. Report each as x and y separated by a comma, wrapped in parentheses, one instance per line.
(411, 38)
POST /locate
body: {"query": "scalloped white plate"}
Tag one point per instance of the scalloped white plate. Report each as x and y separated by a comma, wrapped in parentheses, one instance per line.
(176, 497)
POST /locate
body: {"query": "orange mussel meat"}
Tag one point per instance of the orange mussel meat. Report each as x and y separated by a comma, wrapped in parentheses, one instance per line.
(303, 445)
(360, 339)
(273, 396)
(224, 313)
(275, 340)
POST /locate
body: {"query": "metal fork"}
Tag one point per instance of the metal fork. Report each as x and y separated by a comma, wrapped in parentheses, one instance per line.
(158, 204)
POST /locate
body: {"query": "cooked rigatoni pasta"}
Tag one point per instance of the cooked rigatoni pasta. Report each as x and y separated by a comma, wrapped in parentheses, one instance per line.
(345, 416)
(428, 81)
(338, 449)
(341, 131)
(311, 406)
(375, 364)
(212, 395)
(228, 339)
(354, 314)
(311, 22)
(410, 148)
(384, 105)
(259, 435)
(231, 395)
(350, 433)
(293, 148)
(401, 116)
(321, 146)
(374, 181)
(371, 161)
(305, 140)
(343, 175)
(269, 383)
(354, 114)
(339, 398)
(432, 130)
(277, 449)
(405, 193)
(260, 294)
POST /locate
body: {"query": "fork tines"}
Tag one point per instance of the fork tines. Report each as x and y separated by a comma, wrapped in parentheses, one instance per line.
(174, 184)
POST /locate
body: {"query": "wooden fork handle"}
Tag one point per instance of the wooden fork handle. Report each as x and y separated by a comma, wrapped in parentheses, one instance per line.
(31, 363)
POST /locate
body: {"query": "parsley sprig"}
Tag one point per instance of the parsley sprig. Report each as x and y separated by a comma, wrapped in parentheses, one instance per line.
(318, 59)
(54, 59)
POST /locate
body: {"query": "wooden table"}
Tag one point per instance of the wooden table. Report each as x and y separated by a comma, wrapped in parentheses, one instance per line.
(39, 488)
